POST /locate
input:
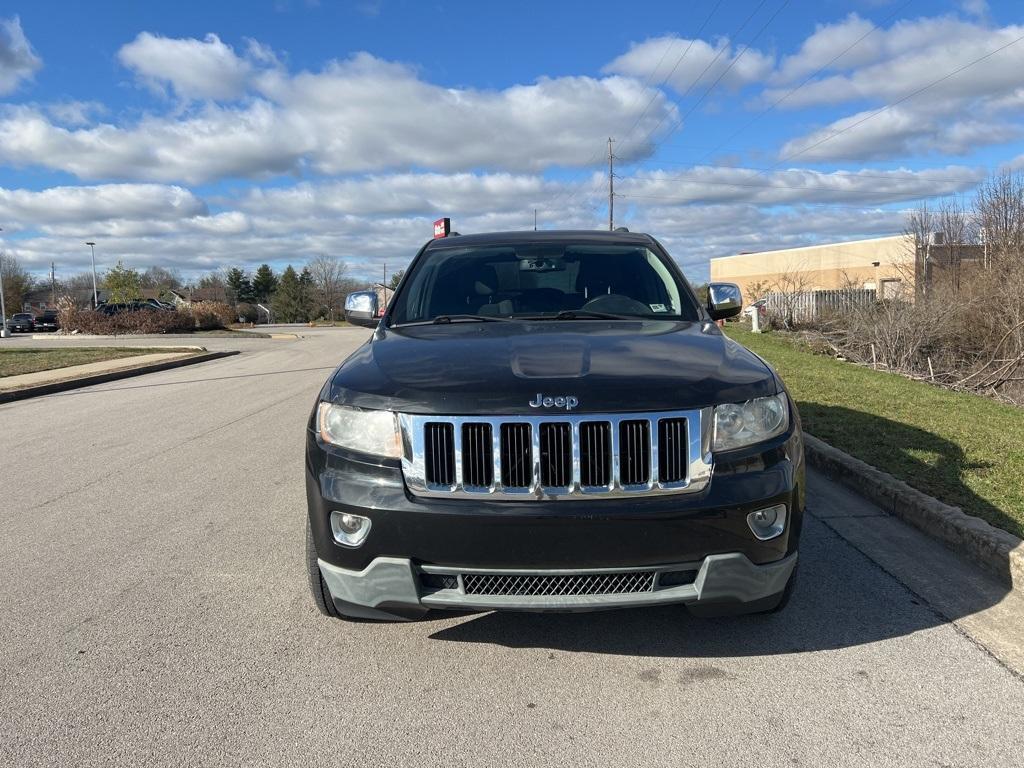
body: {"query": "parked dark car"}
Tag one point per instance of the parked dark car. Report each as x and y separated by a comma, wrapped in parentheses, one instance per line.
(129, 306)
(552, 421)
(362, 308)
(22, 322)
(48, 321)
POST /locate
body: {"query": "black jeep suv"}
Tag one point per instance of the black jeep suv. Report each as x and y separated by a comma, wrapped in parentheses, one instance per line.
(552, 421)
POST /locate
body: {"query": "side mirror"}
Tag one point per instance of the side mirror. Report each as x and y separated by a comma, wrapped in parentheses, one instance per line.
(724, 300)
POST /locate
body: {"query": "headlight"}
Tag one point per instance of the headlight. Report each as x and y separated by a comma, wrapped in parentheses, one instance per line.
(373, 432)
(741, 424)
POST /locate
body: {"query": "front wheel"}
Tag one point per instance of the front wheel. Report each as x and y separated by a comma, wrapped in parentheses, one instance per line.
(321, 596)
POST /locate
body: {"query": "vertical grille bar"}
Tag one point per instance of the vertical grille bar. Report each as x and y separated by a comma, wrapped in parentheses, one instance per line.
(477, 455)
(672, 451)
(516, 455)
(440, 458)
(555, 455)
(635, 452)
(595, 453)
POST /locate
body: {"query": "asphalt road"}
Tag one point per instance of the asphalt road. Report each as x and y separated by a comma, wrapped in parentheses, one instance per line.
(154, 610)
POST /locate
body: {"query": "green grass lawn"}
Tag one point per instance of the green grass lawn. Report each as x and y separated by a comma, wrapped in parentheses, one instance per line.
(964, 449)
(24, 360)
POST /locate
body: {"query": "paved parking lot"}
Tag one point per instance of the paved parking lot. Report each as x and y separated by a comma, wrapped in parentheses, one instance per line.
(154, 610)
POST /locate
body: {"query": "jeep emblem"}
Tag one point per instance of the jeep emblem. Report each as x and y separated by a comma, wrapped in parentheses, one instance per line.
(562, 401)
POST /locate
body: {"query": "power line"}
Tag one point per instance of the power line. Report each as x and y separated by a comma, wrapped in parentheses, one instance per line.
(704, 71)
(674, 67)
(896, 103)
(699, 77)
(806, 80)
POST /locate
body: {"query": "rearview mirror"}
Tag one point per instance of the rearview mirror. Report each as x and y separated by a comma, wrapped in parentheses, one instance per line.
(724, 300)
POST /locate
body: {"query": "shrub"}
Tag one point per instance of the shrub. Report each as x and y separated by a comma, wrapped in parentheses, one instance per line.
(87, 320)
(209, 315)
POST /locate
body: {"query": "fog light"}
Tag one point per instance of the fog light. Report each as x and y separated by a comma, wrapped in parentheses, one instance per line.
(769, 522)
(349, 530)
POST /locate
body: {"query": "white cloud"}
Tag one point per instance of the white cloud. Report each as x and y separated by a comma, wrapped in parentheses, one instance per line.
(703, 63)
(194, 69)
(900, 131)
(86, 205)
(827, 41)
(361, 114)
(711, 184)
(18, 62)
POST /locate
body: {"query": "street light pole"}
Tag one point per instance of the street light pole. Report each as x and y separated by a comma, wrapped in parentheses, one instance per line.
(95, 293)
(3, 308)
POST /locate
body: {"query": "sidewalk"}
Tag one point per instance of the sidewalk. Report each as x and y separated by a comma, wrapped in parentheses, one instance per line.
(39, 378)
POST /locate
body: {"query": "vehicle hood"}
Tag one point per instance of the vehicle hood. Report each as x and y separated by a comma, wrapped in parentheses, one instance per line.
(489, 368)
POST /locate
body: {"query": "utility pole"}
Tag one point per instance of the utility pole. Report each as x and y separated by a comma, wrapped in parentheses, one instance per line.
(53, 283)
(611, 186)
(385, 283)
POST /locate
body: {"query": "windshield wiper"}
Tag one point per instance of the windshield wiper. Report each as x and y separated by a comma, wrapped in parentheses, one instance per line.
(582, 314)
(447, 319)
(468, 319)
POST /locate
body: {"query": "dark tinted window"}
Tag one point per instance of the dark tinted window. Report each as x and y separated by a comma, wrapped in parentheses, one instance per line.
(538, 280)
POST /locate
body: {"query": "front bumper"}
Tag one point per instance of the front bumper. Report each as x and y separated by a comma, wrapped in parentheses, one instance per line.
(393, 587)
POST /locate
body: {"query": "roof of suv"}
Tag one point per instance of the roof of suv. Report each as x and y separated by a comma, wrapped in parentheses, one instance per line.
(590, 236)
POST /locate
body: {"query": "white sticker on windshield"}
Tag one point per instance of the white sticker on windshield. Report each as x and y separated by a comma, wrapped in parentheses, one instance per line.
(658, 308)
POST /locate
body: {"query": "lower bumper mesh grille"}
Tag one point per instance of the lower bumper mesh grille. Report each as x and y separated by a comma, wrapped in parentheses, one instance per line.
(580, 584)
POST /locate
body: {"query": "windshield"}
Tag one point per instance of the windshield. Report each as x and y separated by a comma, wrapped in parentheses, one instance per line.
(555, 281)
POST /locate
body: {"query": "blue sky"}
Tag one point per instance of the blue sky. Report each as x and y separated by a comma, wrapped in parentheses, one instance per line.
(198, 136)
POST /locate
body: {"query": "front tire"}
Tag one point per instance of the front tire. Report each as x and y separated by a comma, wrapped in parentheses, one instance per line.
(317, 587)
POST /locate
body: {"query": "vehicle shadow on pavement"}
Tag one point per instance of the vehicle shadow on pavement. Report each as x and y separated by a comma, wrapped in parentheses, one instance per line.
(936, 464)
(842, 599)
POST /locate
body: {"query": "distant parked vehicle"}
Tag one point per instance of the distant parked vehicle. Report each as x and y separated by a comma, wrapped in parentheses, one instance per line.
(21, 323)
(129, 306)
(361, 308)
(48, 321)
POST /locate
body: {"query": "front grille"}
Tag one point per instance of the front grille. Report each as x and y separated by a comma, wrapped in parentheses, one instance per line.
(477, 455)
(672, 450)
(555, 456)
(441, 454)
(579, 584)
(635, 452)
(595, 454)
(516, 455)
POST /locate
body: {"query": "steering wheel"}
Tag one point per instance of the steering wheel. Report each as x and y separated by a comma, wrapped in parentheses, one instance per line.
(616, 303)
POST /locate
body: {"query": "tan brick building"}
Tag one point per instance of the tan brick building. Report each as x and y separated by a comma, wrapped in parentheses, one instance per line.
(884, 264)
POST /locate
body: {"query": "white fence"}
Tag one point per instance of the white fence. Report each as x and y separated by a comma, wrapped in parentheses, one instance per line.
(809, 306)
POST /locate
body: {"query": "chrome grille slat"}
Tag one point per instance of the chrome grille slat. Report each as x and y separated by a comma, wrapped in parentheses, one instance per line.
(556, 456)
(558, 585)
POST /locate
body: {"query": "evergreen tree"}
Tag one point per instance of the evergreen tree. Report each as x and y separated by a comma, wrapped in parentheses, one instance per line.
(264, 283)
(308, 293)
(123, 284)
(240, 289)
(288, 299)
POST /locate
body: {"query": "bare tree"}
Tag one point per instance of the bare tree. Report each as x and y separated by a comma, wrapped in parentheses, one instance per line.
(916, 234)
(999, 217)
(790, 289)
(954, 222)
(329, 277)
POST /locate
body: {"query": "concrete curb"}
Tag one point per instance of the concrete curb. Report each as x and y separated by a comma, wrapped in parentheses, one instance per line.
(999, 552)
(130, 337)
(103, 378)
